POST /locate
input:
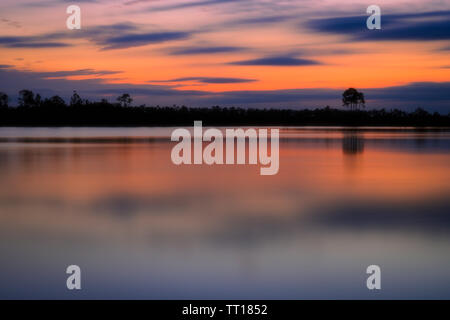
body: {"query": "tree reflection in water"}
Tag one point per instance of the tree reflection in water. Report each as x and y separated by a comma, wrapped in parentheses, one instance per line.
(353, 143)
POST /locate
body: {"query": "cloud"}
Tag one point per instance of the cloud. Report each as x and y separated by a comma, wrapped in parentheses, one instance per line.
(259, 21)
(108, 37)
(421, 92)
(29, 42)
(52, 3)
(210, 80)
(38, 45)
(55, 83)
(424, 26)
(433, 96)
(61, 74)
(276, 61)
(444, 49)
(192, 4)
(133, 2)
(276, 97)
(204, 50)
(263, 20)
(11, 23)
(125, 35)
(135, 40)
(79, 72)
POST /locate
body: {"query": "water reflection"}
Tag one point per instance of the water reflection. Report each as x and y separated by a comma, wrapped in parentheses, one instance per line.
(112, 202)
(353, 142)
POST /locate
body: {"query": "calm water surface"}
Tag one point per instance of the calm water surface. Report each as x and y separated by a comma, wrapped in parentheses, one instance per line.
(111, 201)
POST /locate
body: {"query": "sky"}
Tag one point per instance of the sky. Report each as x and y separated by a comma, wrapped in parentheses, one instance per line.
(244, 53)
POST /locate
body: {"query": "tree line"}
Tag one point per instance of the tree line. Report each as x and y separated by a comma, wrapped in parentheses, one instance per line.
(33, 110)
(28, 99)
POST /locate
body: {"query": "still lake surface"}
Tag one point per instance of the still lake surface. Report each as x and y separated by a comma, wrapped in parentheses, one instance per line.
(111, 201)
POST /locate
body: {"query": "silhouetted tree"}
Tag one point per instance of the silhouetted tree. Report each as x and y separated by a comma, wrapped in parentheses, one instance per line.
(55, 102)
(125, 100)
(75, 100)
(26, 98)
(361, 100)
(353, 98)
(3, 100)
(38, 100)
(52, 112)
(420, 113)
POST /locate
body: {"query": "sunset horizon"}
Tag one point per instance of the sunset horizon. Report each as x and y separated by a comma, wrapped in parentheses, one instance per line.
(261, 54)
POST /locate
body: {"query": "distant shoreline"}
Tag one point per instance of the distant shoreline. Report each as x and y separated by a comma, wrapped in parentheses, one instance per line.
(113, 115)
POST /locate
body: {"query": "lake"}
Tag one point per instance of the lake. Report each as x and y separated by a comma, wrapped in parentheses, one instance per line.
(111, 201)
